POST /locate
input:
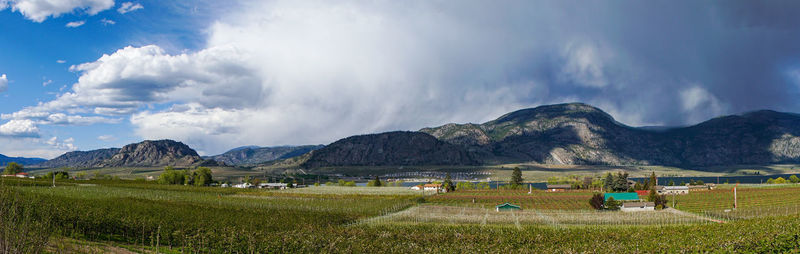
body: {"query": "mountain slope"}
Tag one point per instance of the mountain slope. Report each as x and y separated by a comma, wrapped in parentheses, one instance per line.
(251, 155)
(151, 153)
(4, 160)
(80, 159)
(390, 148)
(581, 134)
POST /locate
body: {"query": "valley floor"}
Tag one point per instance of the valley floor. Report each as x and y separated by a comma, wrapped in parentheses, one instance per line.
(137, 216)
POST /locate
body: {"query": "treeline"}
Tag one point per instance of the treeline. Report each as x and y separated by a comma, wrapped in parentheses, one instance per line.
(199, 177)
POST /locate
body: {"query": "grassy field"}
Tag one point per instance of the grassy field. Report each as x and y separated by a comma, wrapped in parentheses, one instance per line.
(753, 200)
(538, 199)
(140, 216)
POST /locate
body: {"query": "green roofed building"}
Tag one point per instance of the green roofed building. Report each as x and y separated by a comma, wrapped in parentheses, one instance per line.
(624, 196)
(507, 207)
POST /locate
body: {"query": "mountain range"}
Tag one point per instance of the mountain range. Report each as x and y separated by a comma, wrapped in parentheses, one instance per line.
(577, 133)
(253, 155)
(4, 160)
(573, 133)
(148, 153)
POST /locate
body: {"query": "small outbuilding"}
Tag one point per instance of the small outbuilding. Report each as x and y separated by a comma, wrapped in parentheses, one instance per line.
(507, 207)
(638, 206)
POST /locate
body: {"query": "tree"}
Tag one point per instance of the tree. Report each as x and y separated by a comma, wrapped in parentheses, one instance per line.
(612, 204)
(172, 176)
(12, 168)
(516, 178)
(780, 180)
(621, 182)
(377, 182)
(653, 181)
(608, 183)
(202, 176)
(448, 183)
(794, 179)
(597, 201)
(770, 181)
(59, 175)
(671, 183)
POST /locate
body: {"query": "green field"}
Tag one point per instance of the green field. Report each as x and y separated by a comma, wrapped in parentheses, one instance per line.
(140, 216)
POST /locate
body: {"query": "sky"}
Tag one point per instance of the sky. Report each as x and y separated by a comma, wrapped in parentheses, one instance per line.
(90, 74)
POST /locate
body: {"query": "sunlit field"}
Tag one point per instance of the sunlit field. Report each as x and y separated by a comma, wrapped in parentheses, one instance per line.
(139, 216)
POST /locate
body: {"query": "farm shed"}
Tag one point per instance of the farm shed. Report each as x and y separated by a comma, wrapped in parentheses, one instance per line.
(672, 190)
(623, 196)
(638, 206)
(507, 207)
(558, 187)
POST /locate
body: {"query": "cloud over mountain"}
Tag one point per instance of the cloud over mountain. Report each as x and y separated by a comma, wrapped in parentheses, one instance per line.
(290, 72)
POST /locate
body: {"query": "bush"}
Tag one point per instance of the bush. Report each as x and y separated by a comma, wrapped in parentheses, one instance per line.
(597, 201)
(60, 175)
(172, 176)
(794, 179)
(612, 204)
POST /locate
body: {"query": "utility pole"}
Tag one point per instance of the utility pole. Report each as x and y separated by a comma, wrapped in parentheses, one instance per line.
(735, 201)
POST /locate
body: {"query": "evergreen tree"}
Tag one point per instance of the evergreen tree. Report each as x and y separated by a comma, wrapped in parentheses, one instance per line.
(448, 184)
(653, 181)
(516, 178)
(377, 182)
(621, 183)
(608, 183)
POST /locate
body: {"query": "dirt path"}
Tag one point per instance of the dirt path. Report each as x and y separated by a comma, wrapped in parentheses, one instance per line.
(688, 214)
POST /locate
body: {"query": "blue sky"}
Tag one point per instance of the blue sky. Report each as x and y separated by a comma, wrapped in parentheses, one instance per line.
(88, 74)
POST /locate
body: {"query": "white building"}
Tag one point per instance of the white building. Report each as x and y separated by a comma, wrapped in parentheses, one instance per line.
(672, 190)
(243, 185)
(638, 207)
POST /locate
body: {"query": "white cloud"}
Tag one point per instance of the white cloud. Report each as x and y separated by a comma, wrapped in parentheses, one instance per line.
(129, 7)
(699, 104)
(40, 10)
(61, 61)
(107, 22)
(47, 82)
(19, 128)
(3, 83)
(74, 24)
(66, 145)
(106, 138)
(584, 65)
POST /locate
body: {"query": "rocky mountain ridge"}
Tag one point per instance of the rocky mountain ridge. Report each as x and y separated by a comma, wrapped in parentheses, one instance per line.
(253, 155)
(148, 153)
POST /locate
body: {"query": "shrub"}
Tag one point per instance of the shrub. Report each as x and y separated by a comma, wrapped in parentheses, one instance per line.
(596, 201)
(612, 204)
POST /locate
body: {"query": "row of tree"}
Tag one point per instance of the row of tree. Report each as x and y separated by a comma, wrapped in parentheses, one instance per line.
(199, 177)
(781, 180)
